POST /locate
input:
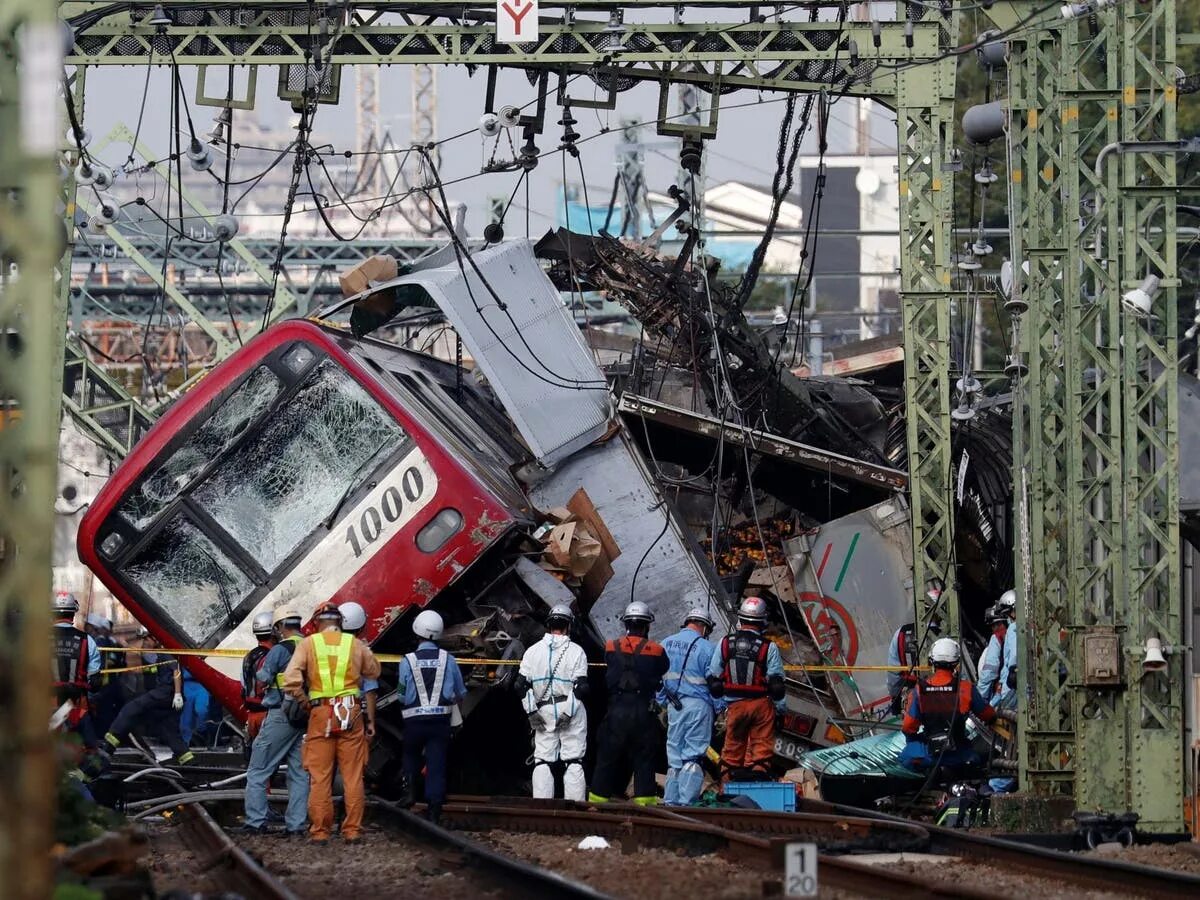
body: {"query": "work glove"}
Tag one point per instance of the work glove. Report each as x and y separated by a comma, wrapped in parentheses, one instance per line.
(177, 703)
(897, 704)
(1011, 681)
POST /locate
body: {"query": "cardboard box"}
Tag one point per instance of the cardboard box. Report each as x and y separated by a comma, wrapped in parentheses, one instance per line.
(375, 268)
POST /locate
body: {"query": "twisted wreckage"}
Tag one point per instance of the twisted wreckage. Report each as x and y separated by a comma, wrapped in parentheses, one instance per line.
(325, 463)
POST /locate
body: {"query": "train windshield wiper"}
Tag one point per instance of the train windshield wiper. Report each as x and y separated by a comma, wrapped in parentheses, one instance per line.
(352, 486)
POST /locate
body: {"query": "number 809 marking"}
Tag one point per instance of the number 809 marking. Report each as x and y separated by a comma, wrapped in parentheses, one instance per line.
(370, 523)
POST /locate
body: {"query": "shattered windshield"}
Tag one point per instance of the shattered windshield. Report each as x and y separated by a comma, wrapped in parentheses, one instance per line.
(161, 486)
(282, 482)
(194, 583)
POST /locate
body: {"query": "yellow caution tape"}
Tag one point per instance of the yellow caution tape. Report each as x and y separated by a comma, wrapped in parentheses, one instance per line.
(169, 662)
(231, 653)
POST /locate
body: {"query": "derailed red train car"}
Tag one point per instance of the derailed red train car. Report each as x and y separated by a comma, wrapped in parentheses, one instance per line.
(309, 466)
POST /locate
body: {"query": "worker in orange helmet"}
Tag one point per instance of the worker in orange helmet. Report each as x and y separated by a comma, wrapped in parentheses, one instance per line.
(748, 673)
(325, 674)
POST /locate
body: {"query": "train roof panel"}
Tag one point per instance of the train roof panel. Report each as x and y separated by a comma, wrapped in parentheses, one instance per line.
(523, 338)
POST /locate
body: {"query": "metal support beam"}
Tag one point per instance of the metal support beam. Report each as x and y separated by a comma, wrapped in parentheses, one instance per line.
(101, 407)
(789, 56)
(30, 246)
(1097, 451)
(925, 120)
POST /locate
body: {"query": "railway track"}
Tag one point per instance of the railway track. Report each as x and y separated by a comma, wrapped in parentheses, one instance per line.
(663, 828)
(754, 839)
(224, 861)
(1090, 871)
(230, 867)
(524, 879)
(761, 836)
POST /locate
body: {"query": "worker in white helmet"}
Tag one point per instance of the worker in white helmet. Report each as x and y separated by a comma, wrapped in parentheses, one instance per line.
(552, 683)
(935, 724)
(431, 686)
(1006, 688)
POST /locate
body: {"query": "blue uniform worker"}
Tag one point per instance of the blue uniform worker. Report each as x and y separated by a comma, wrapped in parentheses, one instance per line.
(690, 707)
(992, 662)
(428, 697)
(76, 666)
(278, 740)
(1006, 687)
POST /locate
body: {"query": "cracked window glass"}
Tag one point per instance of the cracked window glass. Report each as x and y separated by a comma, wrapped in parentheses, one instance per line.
(190, 578)
(160, 487)
(278, 486)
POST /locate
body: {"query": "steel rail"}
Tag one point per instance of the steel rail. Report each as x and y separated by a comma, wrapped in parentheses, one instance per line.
(668, 828)
(1089, 871)
(528, 879)
(222, 859)
(835, 833)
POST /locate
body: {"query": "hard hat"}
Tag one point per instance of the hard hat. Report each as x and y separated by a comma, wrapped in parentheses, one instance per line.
(1007, 602)
(143, 631)
(944, 652)
(286, 614)
(698, 614)
(428, 624)
(354, 616)
(637, 611)
(327, 610)
(753, 609)
(65, 603)
(562, 613)
(262, 623)
(97, 621)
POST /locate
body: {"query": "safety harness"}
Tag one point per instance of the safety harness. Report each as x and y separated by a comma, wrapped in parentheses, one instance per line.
(70, 661)
(943, 725)
(428, 696)
(253, 690)
(289, 645)
(745, 664)
(626, 661)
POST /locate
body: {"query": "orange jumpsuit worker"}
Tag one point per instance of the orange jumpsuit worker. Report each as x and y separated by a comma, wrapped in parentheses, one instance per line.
(325, 672)
(748, 673)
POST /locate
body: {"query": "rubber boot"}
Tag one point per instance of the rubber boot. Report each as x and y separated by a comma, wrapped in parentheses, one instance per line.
(408, 796)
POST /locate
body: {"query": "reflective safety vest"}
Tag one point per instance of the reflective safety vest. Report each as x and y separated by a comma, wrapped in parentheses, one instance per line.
(289, 645)
(70, 660)
(333, 665)
(745, 664)
(426, 665)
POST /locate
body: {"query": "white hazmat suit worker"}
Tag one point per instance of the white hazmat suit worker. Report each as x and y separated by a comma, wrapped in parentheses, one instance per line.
(552, 682)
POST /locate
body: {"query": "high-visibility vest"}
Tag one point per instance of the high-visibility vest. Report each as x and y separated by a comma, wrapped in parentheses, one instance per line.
(333, 664)
(289, 644)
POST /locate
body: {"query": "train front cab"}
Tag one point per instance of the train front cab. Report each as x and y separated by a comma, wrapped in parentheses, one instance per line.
(308, 466)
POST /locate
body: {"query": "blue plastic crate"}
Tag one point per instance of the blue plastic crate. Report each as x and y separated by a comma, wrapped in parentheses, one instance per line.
(773, 795)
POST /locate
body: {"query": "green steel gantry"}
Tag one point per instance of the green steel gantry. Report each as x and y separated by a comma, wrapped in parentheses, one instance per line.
(30, 248)
(1097, 462)
(905, 64)
(1096, 468)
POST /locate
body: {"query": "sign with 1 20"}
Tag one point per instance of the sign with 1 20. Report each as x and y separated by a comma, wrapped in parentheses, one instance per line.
(800, 870)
